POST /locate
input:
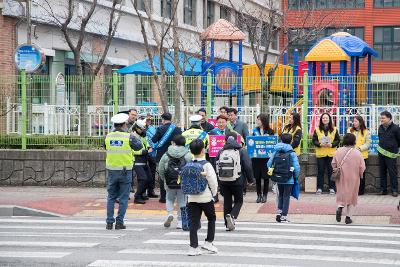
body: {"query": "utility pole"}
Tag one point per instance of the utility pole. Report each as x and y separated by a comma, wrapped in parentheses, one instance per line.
(28, 9)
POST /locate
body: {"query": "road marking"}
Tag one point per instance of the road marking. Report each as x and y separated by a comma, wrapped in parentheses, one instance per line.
(120, 263)
(58, 227)
(310, 257)
(291, 237)
(29, 254)
(57, 234)
(73, 222)
(281, 246)
(47, 244)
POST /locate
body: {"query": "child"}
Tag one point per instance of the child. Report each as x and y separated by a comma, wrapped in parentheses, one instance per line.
(202, 202)
(284, 168)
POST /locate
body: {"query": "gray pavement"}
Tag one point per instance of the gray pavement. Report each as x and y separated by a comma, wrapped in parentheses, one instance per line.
(73, 241)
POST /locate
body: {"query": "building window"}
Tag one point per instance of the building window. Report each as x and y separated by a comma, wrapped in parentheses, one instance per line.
(143, 89)
(210, 13)
(166, 8)
(225, 13)
(387, 43)
(140, 4)
(387, 3)
(189, 12)
(324, 4)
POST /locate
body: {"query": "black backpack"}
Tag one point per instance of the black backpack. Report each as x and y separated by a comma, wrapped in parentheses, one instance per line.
(282, 164)
(172, 173)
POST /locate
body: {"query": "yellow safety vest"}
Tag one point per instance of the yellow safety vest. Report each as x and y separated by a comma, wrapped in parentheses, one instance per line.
(119, 151)
(321, 152)
(297, 149)
(193, 134)
(360, 140)
(145, 145)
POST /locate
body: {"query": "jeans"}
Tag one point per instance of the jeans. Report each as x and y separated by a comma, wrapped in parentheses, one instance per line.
(180, 198)
(234, 192)
(323, 164)
(118, 186)
(388, 164)
(284, 198)
(195, 210)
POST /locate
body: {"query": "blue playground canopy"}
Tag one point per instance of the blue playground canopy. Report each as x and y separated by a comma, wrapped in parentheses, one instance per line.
(191, 65)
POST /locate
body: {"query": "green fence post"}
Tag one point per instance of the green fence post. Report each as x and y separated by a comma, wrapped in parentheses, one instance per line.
(305, 113)
(115, 91)
(24, 111)
(209, 92)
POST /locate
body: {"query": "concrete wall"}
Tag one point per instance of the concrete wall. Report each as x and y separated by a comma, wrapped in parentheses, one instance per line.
(87, 168)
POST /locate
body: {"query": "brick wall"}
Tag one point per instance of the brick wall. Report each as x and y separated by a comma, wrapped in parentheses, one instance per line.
(7, 45)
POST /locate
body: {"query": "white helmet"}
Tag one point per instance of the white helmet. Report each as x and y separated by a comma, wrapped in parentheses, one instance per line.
(141, 124)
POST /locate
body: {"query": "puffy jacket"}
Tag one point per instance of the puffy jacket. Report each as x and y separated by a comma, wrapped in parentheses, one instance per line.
(295, 161)
(176, 152)
(389, 138)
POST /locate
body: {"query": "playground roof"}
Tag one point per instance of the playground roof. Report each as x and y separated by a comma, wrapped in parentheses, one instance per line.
(192, 65)
(222, 30)
(351, 45)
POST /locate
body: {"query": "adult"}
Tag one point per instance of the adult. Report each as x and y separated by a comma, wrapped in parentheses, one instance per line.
(294, 128)
(363, 141)
(260, 168)
(196, 132)
(205, 125)
(326, 140)
(150, 132)
(162, 140)
(352, 166)
(388, 149)
(119, 163)
(239, 126)
(133, 115)
(223, 111)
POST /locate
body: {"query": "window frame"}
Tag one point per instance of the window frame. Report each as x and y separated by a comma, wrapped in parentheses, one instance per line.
(393, 3)
(189, 12)
(383, 46)
(168, 9)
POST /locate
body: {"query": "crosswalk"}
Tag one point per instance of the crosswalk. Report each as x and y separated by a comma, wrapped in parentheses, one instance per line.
(29, 241)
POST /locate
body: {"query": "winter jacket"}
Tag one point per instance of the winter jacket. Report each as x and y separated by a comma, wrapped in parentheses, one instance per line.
(211, 190)
(159, 134)
(207, 127)
(295, 161)
(389, 138)
(176, 152)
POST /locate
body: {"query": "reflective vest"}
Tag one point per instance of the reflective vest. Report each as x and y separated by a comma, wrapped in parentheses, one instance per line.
(297, 149)
(360, 140)
(119, 151)
(145, 145)
(193, 134)
(321, 152)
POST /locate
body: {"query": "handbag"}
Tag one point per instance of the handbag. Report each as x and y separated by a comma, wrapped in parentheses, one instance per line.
(295, 189)
(336, 171)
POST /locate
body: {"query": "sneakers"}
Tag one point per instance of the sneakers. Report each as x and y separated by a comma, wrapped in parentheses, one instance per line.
(332, 191)
(169, 220)
(209, 247)
(179, 225)
(348, 220)
(278, 217)
(109, 226)
(230, 222)
(339, 214)
(284, 219)
(194, 251)
(319, 191)
(120, 226)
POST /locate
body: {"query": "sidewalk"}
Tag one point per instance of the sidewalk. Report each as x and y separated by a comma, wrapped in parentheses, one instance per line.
(91, 202)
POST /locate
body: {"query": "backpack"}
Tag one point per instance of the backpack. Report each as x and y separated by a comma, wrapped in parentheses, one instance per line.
(282, 165)
(228, 166)
(193, 182)
(172, 173)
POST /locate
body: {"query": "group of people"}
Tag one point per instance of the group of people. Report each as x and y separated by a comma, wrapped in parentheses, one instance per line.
(137, 147)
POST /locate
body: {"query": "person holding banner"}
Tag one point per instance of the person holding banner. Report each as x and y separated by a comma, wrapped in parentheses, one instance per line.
(326, 140)
(294, 128)
(260, 168)
(162, 140)
(195, 132)
(363, 142)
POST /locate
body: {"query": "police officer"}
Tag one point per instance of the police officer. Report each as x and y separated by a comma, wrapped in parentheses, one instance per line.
(141, 167)
(119, 163)
(195, 131)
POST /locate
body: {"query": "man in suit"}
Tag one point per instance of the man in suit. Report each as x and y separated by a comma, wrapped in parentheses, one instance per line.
(237, 125)
(205, 125)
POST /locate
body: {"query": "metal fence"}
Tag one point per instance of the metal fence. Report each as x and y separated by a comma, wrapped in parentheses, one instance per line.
(76, 112)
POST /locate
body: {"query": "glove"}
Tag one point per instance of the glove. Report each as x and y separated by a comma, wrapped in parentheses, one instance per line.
(144, 152)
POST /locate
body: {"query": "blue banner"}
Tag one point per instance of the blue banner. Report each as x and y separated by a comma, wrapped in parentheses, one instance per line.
(374, 145)
(261, 146)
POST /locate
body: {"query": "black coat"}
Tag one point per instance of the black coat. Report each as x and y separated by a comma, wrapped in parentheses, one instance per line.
(207, 127)
(161, 130)
(389, 138)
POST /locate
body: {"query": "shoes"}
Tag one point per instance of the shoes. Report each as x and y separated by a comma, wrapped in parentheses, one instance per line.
(230, 222)
(151, 194)
(132, 190)
(117, 200)
(258, 198)
(216, 200)
(162, 200)
(348, 220)
(339, 214)
(332, 191)
(120, 226)
(209, 247)
(319, 191)
(169, 220)
(263, 199)
(109, 226)
(284, 219)
(194, 251)
(145, 197)
(278, 217)
(139, 201)
(179, 225)
(227, 229)
(384, 193)
(395, 194)
(244, 193)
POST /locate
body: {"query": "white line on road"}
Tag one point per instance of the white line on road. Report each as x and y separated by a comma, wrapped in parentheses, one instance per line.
(281, 246)
(29, 254)
(47, 244)
(298, 237)
(268, 256)
(56, 221)
(120, 263)
(58, 234)
(59, 227)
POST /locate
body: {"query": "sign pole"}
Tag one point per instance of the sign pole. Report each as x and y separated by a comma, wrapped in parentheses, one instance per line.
(24, 110)
(305, 114)
(209, 92)
(115, 92)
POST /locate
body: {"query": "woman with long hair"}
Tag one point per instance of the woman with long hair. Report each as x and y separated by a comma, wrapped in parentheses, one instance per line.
(260, 168)
(326, 140)
(294, 128)
(363, 142)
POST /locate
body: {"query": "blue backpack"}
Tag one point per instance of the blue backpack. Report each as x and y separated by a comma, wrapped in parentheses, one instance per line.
(193, 182)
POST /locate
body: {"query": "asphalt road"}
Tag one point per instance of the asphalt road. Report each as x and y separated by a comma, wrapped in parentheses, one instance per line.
(30, 241)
